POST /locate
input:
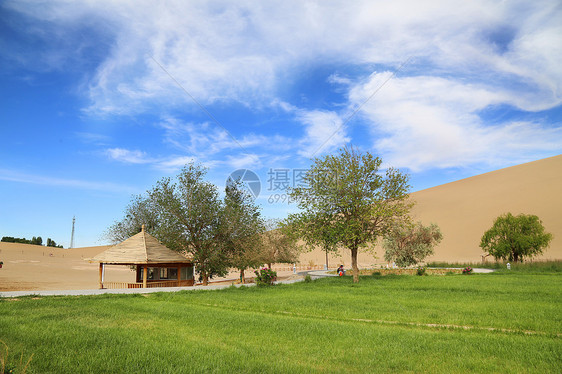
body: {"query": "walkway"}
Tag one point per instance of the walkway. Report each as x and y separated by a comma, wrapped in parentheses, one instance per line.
(11, 294)
(314, 274)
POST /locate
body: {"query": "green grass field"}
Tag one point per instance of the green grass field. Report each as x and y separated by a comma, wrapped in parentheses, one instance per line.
(504, 322)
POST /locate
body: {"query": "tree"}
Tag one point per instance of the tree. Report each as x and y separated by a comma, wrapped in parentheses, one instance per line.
(346, 194)
(52, 243)
(280, 245)
(189, 220)
(316, 232)
(184, 214)
(140, 211)
(515, 237)
(411, 244)
(242, 229)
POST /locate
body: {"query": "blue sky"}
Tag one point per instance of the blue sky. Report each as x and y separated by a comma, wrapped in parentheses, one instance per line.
(101, 99)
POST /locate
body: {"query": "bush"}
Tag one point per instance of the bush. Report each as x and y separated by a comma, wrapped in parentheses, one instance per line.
(265, 277)
(411, 244)
(467, 270)
(421, 270)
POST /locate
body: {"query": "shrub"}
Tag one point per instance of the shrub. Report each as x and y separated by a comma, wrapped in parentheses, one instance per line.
(421, 270)
(265, 277)
(467, 270)
(411, 244)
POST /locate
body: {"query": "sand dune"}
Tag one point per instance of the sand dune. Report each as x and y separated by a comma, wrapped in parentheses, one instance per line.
(33, 267)
(463, 210)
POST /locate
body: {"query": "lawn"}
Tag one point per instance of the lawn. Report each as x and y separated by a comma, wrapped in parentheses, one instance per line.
(504, 322)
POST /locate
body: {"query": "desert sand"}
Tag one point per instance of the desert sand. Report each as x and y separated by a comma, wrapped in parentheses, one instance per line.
(464, 210)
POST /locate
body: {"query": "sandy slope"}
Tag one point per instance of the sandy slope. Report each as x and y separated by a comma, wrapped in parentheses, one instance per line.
(463, 210)
(32, 267)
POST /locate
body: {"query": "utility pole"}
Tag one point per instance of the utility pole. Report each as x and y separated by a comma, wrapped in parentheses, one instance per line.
(72, 235)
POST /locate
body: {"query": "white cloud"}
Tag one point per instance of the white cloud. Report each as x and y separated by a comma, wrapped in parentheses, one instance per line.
(241, 51)
(128, 156)
(15, 176)
(244, 161)
(464, 57)
(324, 132)
(422, 122)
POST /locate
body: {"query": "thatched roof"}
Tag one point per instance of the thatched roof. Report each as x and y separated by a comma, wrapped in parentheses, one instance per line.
(141, 248)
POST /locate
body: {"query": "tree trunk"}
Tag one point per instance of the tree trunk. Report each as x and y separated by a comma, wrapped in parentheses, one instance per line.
(515, 256)
(354, 264)
(269, 266)
(205, 279)
(242, 276)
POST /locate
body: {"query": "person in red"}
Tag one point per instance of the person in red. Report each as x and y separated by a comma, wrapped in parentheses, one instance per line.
(341, 271)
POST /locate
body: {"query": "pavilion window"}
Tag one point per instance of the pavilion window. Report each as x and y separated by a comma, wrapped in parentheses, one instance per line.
(187, 273)
(172, 273)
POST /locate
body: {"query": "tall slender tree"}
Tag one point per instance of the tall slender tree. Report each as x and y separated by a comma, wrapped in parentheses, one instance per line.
(242, 229)
(280, 243)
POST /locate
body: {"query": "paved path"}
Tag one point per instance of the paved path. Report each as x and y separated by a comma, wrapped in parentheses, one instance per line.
(211, 286)
(315, 274)
(480, 270)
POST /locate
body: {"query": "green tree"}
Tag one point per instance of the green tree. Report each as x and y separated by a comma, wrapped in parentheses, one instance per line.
(142, 210)
(189, 220)
(52, 243)
(315, 232)
(184, 213)
(280, 244)
(355, 203)
(515, 237)
(242, 229)
(411, 244)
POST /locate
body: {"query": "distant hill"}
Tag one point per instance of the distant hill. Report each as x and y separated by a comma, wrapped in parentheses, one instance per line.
(465, 209)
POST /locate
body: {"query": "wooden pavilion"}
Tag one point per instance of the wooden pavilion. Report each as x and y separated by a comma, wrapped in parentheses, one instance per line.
(156, 265)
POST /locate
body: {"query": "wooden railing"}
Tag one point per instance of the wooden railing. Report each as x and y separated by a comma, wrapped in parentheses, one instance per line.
(169, 283)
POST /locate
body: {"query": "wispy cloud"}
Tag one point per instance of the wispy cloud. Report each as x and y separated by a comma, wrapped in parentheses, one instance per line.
(422, 122)
(93, 138)
(324, 132)
(18, 177)
(466, 56)
(128, 156)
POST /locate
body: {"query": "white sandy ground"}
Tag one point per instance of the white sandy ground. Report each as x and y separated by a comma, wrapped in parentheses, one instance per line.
(463, 210)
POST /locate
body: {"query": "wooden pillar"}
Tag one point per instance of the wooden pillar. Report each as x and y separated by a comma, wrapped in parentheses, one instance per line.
(145, 275)
(101, 272)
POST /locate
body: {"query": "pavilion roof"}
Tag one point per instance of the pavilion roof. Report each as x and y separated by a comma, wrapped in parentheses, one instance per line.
(141, 248)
